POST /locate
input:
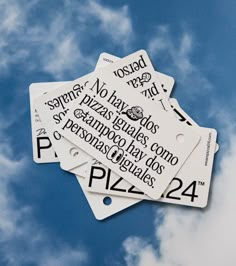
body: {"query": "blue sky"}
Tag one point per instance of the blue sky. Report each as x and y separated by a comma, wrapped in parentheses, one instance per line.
(44, 216)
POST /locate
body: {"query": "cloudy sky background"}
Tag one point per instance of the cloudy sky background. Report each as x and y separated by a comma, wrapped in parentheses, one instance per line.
(44, 217)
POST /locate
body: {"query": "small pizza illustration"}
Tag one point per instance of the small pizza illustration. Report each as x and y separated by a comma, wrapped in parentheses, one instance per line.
(135, 113)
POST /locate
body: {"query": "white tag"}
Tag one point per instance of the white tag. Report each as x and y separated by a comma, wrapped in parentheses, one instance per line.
(137, 71)
(53, 110)
(189, 187)
(166, 81)
(154, 149)
(43, 151)
(100, 207)
(183, 117)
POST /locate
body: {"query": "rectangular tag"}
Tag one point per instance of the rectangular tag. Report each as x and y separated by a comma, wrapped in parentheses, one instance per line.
(52, 112)
(43, 151)
(128, 134)
(167, 82)
(190, 186)
(137, 71)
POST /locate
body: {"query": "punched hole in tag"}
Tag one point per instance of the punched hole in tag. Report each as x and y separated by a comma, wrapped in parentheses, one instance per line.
(180, 138)
(107, 201)
(74, 152)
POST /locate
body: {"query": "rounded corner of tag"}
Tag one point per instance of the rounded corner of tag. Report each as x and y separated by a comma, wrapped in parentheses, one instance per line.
(99, 217)
(143, 51)
(36, 160)
(103, 54)
(204, 204)
(155, 197)
(64, 168)
(31, 86)
(172, 80)
(215, 131)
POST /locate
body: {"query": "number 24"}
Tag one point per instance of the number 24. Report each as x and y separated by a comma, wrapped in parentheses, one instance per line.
(189, 191)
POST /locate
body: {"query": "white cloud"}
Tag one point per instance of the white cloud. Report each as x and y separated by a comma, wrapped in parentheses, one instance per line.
(12, 20)
(43, 45)
(22, 240)
(57, 42)
(116, 23)
(176, 56)
(191, 236)
(60, 52)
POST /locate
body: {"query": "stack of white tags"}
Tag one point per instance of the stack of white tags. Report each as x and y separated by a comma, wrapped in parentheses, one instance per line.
(122, 136)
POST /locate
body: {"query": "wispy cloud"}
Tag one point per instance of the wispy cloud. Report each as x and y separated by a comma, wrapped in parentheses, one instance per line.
(60, 52)
(22, 240)
(12, 21)
(116, 23)
(57, 43)
(175, 54)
